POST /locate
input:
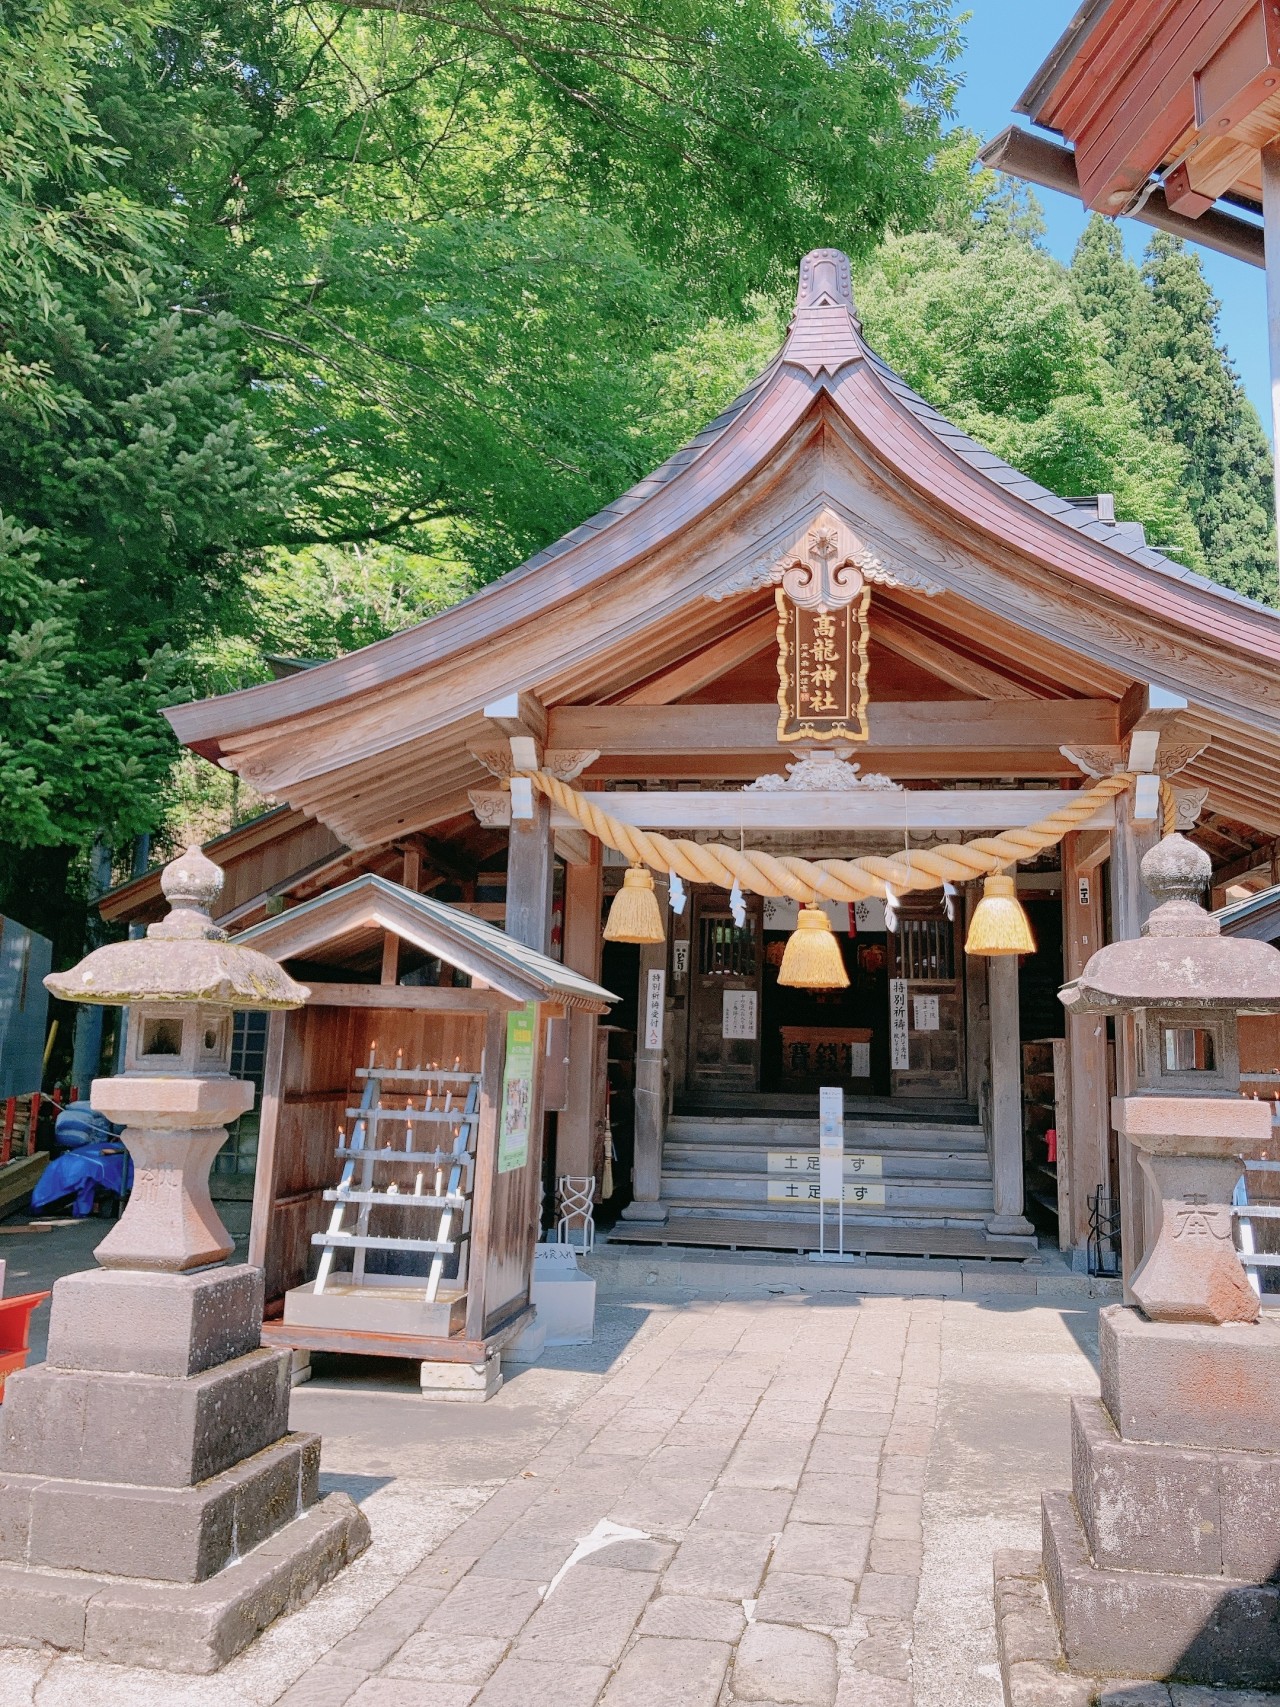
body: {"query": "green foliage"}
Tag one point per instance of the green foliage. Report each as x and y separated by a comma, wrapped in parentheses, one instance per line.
(1160, 328)
(986, 325)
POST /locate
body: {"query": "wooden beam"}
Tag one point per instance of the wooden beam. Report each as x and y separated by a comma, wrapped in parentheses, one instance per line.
(935, 725)
(903, 764)
(390, 958)
(574, 847)
(423, 998)
(519, 714)
(1258, 859)
(945, 662)
(732, 811)
(709, 665)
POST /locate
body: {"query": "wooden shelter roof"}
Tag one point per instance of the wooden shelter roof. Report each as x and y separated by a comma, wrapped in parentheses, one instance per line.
(1187, 90)
(991, 587)
(338, 925)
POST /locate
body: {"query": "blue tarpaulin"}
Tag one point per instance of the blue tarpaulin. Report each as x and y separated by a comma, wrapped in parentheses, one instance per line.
(85, 1171)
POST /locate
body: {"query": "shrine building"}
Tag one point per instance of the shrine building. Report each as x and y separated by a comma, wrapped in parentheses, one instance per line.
(806, 696)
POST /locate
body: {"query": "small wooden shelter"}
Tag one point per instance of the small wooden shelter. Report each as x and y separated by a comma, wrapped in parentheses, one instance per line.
(397, 1195)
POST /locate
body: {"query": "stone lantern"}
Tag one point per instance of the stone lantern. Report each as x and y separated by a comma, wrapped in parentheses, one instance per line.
(1163, 1560)
(155, 1509)
(181, 985)
(1182, 986)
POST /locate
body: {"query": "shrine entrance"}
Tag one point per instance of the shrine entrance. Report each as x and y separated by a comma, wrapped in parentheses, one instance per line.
(752, 1039)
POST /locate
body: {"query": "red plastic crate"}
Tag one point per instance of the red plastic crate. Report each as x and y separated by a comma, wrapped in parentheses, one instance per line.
(15, 1332)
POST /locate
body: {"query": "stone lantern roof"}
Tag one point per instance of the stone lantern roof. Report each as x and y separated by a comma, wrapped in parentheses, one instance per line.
(1181, 960)
(183, 958)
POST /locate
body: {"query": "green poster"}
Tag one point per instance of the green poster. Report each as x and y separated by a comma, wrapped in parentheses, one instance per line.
(517, 1089)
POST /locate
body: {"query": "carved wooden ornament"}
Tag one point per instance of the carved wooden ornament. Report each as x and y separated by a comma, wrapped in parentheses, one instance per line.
(823, 605)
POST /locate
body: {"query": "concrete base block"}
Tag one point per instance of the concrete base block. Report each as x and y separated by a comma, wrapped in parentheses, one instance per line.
(1186, 1510)
(1208, 1630)
(656, 1212)
(376, 1310)
(125, 1321)
(462, 1381)
(565, 1296)
(182, 1627)
(299, 1367)
(1186, 1384)
(91, 1427)
(173, 1534)
(527, 1347)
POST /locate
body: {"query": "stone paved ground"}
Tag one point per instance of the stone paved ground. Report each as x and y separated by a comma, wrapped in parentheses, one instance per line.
(817, 1483)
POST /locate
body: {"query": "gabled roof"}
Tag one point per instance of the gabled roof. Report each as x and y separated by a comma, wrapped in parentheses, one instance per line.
(371, 904)
(375, 743)
(1256, 916)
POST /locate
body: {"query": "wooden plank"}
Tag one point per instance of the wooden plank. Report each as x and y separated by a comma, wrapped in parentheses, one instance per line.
(495, 1038)
(530, 876)
(264, 1174)
(421, 998)
(903, 764)
(576, 1127)
(945, 662)
(937, 726)
(1084, 1145)
(733, 811)
(708, 665)
(390, 958)
(413, 1346)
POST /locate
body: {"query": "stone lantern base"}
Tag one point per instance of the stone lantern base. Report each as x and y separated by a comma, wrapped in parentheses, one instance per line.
(1164, 1560)
(154, 1508)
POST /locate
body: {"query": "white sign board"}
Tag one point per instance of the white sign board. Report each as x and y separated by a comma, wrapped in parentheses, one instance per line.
(654, 1004)
(680, 958)
(831, 1141)
(924, 1013)
(859, 1060)
(739, 1016)
(899, 1044)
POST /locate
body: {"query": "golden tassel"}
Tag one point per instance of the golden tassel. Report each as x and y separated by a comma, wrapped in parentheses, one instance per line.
(634, 915)
(812, 959)
(999, 925)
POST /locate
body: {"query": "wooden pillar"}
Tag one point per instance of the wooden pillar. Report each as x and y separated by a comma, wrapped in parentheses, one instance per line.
(577, 1124)
(1271, 223)
(1130, 905)
(530, 873)
(1084, 1123)
(1006, 1098)
(651, 1089)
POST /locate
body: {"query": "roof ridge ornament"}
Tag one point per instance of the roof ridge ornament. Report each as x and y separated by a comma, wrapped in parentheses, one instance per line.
(824, 552)
(825, 333)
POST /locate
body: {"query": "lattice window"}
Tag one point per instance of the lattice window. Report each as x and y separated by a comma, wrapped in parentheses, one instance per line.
(926, 950)
(727, 950)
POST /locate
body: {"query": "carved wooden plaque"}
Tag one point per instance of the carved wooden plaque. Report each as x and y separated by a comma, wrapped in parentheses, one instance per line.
(822, 670)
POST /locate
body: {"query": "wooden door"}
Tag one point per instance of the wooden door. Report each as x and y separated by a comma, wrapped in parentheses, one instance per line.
(724, 995)
(924, 951)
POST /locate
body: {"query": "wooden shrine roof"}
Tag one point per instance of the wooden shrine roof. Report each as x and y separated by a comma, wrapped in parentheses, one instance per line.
(1023, 595)
(337, 925)
(1188, 90)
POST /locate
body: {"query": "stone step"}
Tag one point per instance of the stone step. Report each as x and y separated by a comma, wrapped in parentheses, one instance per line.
(732, 1191)
(858, 1135)
(681, 1158)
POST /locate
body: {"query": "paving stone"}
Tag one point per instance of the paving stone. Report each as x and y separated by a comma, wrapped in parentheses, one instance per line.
(750, 1511)
(694, 1617)
(440, 1658)
(885, 1650)
(762, 1464)
(589, 1618)
(720, 1563)
(391, 1622)
(525, 1558)
(323, 1686)
(903, 1475)
(782, 1664)
(412, 1692)
(864, 1689)
(843, 1454)
(822, 1549)
(485, 1606)
(888, 1596)
(789, 1598)
(1034, 1684)
(651, 1555)
(834, 1499)
(896, 1558)
(1145, 1695)
(661, 1672)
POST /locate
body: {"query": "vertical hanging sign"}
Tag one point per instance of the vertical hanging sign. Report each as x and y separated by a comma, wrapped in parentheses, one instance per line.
(831, 1143)
(899, 1041)
(517, 1089)
(655, 1002)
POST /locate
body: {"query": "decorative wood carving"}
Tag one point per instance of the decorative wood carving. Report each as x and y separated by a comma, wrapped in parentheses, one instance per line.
(566, 763)
(821, 773)
(826, 553)
(1191, 803)
(1096, 762)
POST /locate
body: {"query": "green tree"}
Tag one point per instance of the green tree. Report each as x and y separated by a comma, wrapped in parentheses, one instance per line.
(987, 327)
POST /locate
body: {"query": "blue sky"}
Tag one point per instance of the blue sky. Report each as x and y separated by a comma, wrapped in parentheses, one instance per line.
(1007, 41)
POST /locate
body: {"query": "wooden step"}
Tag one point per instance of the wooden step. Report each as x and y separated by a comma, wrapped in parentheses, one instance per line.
(753, 1160)
(863, 1238)
(795, 1134)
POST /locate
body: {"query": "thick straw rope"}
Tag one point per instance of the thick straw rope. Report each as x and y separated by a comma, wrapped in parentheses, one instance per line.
(839, 879)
